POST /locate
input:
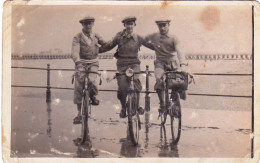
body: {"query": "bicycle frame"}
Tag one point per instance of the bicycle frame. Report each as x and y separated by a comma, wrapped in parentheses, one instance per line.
(130, 78)
(131, 87)
(173, 109)
(132, 108)
(85, 90)
(86, 103)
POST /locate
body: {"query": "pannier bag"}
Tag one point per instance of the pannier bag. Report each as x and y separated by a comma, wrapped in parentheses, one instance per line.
(178, 80)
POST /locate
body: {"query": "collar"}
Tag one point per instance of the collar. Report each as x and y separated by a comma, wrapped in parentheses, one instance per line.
(127, 35)
(90, 35)
(164, 36)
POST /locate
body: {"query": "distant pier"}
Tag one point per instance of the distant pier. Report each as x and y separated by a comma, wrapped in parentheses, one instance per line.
(141, 57)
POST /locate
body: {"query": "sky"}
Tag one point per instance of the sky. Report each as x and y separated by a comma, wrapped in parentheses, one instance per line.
(200, 29)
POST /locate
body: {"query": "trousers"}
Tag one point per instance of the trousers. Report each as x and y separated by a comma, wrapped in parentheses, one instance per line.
(79, 83)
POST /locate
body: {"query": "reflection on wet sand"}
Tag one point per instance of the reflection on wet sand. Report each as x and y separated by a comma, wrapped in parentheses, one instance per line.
(166, 149)
(127, 148)
(147, 125)
(85, 150)
(49, 123)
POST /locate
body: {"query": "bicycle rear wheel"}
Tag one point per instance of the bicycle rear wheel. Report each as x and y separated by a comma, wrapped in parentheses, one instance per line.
(84, 120)
(133, 118)
(175, 118)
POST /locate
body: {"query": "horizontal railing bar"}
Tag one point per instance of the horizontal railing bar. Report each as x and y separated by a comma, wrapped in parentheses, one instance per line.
(221, 74)
(35, 68)
(208, 74)
(197, 94)
(109, 90)
(61, 69)
(28, 86)
(62, 88)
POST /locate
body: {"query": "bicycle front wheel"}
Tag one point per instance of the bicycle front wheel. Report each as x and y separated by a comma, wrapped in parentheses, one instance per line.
(175, 118)
(84, 120)
(133, 118)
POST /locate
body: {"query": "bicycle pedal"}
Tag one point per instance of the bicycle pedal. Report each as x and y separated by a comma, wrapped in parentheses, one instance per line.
(77, 122)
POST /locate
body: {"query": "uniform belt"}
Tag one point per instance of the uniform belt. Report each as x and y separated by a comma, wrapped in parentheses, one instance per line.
(88, 60)
(127, 57)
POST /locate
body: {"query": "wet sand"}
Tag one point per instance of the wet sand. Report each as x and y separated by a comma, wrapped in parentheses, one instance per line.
(40, 129)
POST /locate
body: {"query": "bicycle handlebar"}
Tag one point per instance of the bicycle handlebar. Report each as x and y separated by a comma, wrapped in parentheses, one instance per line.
(86, 67)
(167, 72)
(123, 73)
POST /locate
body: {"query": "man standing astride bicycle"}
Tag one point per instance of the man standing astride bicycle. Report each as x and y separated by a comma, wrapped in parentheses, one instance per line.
(85, 47)
(168, 57)
(129, 44)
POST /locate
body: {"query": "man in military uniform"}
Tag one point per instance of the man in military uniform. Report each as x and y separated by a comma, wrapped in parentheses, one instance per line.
(169, 56)
(85, 47)
(129, 44)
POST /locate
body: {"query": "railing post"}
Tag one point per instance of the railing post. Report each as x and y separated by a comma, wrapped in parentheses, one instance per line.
(48, 91)
(147, 97)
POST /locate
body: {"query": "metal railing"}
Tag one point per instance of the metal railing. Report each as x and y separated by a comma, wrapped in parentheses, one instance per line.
(147, 91)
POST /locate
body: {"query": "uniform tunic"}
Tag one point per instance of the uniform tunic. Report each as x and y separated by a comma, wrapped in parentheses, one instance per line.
(128, 47)
(85, 49)
(167, 53)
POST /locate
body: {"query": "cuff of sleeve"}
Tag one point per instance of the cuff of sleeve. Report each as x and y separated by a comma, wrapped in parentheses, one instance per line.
(184, 64)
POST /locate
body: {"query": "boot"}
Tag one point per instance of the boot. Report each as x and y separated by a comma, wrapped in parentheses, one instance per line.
(139, 109)
(161, 96)
(122, 113)
(94, 100)
(77, 119)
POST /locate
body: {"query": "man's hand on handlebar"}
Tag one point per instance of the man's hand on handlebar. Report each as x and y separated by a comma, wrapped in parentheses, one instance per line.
(183, 67)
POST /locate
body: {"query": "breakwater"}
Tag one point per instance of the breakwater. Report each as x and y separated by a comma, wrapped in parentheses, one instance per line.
(142, 56)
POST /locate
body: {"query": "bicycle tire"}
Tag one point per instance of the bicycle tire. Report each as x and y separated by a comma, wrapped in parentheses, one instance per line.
(176, 119)
(84, 120)
(133, 118)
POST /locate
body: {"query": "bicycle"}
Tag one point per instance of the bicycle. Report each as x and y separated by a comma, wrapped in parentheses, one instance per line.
(132, 109)
(176, 82)
(86, 103)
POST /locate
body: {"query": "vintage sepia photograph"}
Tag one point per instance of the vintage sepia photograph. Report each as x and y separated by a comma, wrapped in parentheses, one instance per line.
(130, 80)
